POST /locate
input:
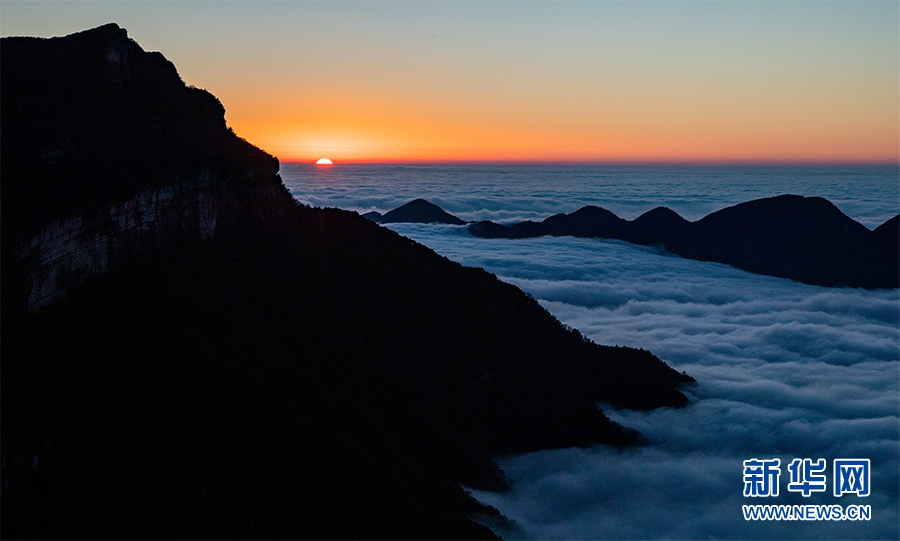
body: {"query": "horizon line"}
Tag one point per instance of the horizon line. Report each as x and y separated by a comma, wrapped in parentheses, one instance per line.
(783, 163)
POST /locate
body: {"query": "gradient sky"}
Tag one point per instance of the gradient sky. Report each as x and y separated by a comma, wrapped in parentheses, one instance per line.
(531, 81)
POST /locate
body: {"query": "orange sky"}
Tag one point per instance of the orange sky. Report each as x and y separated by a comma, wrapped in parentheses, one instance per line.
(350, 127)
(587, 81)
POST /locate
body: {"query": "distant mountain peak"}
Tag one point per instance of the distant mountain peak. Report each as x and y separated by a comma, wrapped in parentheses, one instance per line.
(661, 213)
(416, 211)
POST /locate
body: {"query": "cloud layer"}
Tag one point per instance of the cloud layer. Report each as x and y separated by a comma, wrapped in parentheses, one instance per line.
(784, 370)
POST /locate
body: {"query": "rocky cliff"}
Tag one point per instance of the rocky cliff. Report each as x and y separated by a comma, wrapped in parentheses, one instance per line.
(187, 352)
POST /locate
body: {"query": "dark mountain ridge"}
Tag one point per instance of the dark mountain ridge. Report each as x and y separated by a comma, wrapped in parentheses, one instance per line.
(188, 352)
(93, 119)
(806, 239)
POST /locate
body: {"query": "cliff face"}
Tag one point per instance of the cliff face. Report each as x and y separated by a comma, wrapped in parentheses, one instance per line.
(71, 250)
(189, 353)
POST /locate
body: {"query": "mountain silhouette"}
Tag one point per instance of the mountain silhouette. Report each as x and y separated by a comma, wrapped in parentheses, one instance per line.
(887, 235)
(188, 352)
(806, 239)
(416, 211)
(658, 226)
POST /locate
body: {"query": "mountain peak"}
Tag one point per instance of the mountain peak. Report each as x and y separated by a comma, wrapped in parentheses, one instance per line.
(91, 119)
(660, 214)
(419, 211)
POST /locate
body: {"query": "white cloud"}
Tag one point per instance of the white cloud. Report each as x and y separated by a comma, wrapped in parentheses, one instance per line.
(784, 370)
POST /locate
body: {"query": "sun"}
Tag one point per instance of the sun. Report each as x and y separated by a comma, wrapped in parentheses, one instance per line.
(324, 161)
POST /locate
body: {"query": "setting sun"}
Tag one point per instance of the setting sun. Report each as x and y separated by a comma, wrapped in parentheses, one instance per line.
(324, 161)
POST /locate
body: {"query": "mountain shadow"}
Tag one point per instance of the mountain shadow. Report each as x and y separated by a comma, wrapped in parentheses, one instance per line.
(188, 352)
(806, 239)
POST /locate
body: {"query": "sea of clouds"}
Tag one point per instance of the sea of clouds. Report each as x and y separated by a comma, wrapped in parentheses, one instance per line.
(509, 193)
(784, 370)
